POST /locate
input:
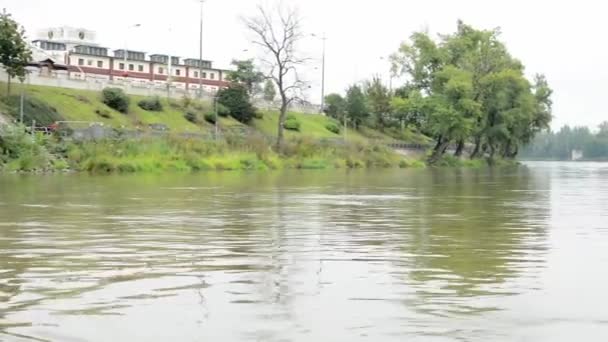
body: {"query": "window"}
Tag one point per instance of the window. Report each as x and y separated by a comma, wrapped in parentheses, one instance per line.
(140, 68)
(196, 74)
(177, 72)
(100, 64)
(161, 71)
(80, 61)
(121, 66)
(131, 67)
(212, 76)
(204, 75)
(89, 62)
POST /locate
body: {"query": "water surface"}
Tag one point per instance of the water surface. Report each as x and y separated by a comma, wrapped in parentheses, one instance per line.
(416, 255)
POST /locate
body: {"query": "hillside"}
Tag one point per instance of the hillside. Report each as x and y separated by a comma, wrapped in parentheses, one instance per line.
(49, 104)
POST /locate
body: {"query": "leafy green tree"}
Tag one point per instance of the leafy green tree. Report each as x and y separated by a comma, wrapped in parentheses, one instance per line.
(465, 87)
(356, 107)
(335, 106)
(14, 50)
(603, 127)
(236, 99)
(408, 107)
(379, 102)
(270, 92)
(246, 74)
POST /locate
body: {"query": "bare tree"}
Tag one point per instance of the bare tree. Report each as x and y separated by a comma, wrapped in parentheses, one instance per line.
(277, 32)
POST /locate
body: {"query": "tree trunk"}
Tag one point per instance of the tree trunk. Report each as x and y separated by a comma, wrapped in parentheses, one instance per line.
(459, 149)
(477, 149)
(8, 86)
(514, 154)
(280, 137)
(439, 150)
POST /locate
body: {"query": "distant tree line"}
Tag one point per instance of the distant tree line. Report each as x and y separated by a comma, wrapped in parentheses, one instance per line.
(559, 145)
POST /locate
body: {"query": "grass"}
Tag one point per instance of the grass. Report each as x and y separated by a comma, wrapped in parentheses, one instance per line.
(83, 105)
(308, 148)
(311, 125)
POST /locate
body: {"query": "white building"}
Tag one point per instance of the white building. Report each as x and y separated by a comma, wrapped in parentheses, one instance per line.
(87, 60)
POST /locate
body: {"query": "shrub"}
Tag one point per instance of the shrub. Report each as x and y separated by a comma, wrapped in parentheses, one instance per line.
(236, 99)
(191, 116)
(258, 115)
(116, 99)
(210, 118)
(151, 104)
(222, 110)
(104, 113)
(332, 127)
(33, 109)
(292, 123)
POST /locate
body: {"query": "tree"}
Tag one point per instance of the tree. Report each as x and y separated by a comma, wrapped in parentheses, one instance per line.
(356, 108)
(335, 106)
(278, 34)
(270, 91)
(603, 129)
(14, 50)
(466, 87)
(379, 102)
(236, 99)
(246, 74)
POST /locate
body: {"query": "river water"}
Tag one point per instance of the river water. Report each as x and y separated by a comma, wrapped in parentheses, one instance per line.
(400, 255)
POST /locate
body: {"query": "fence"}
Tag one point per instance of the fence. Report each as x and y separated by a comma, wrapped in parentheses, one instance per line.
(61, 80)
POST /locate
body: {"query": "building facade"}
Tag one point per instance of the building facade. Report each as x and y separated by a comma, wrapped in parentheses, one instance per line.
(86, 60)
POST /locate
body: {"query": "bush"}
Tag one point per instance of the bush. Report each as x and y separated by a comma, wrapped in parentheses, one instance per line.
(210, 118)
(104, 113)
(33, 109)
(236, 99)
(258, 115)
(332, 127)
(191, 116)
(151, 104)
(116, 99)
(222, 110)
(292, 123)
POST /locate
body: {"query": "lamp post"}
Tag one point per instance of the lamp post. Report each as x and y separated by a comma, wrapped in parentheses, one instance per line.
(324, 39)
(200, 61)
(390, 75)
(169, 65)
(126, 73)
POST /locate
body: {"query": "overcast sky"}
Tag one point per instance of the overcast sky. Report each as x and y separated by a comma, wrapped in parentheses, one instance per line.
(563, 39)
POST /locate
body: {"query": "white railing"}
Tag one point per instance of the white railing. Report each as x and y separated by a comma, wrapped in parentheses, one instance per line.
(61, 80)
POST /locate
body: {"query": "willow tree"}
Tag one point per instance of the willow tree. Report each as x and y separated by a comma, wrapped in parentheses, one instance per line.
(470, 91)
(277, 31)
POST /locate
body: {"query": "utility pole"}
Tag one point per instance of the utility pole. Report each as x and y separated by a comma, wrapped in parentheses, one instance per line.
(200, 70)
(324, 39)
(323, 77)
(216, 117)
(21, 104)
(169, 71)
(126, 54)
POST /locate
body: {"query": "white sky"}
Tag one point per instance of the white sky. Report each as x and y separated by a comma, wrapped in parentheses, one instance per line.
(563, 39)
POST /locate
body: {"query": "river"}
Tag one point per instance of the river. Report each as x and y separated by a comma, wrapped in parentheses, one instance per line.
(398, 255)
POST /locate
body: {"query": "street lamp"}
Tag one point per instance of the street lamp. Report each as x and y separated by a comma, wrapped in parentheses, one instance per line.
(390, 74)
(126, 73)
(324, 39)
(200, 61)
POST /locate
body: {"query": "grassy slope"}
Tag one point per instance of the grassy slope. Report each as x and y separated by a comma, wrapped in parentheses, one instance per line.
(312, 125)
(81, 105)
